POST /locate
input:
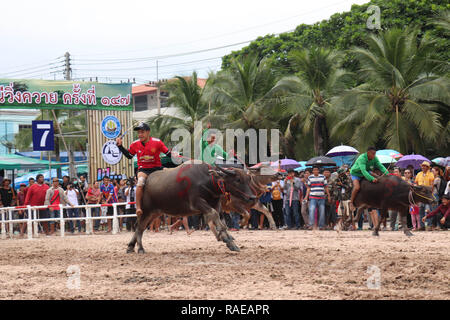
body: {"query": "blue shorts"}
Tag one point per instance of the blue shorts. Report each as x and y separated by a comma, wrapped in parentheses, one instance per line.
(356, 178)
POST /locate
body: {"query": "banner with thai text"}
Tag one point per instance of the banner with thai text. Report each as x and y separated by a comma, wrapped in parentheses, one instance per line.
(52, 94)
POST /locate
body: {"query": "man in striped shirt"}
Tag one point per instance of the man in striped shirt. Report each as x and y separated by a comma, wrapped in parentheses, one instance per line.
(317, 187)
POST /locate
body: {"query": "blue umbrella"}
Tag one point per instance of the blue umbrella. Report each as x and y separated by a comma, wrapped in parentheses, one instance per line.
(389, 152)
(441, 161)
(302, 167)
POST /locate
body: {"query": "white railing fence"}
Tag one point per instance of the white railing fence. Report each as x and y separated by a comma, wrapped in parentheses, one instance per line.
(32, 220)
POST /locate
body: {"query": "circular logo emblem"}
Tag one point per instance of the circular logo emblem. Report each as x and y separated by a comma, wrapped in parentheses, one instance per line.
(111, 153)
(111, 127)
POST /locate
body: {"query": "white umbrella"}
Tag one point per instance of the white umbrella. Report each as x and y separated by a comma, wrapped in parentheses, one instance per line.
(341, 151)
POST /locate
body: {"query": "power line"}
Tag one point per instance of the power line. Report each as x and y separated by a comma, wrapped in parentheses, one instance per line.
(30, 64)
(150, 67)
(130, 60)
(230, 33)
(28, 70)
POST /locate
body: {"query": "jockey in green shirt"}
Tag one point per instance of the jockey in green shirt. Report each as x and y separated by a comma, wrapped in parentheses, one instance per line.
(209, 149)
(362, 168)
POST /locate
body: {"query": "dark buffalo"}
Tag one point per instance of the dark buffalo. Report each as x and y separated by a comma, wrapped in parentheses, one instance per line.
(390, 193)
(259, 178)
(189, 189)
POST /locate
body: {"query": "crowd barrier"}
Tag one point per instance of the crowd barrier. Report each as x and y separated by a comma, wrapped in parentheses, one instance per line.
(32, 218)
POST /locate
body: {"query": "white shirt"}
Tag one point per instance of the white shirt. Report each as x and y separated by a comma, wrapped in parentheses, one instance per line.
(127, 189)
(72, 196)
(447, 190)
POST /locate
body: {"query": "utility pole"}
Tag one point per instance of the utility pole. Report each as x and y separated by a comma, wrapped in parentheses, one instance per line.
(67, 70)
(158, 91)
(67, 76)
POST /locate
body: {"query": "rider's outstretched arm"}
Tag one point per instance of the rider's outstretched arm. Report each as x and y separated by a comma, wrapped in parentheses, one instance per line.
(125, 152)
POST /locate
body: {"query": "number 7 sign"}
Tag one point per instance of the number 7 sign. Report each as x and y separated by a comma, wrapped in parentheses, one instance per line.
(43, 135)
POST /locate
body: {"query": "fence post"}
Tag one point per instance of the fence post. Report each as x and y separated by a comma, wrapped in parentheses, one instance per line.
(62, 227)
(88, 220)
(2, 214)
(29, 224)
(11, 225)
(35, 223)
(115, 228)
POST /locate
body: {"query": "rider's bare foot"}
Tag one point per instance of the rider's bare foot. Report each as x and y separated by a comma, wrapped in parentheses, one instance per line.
(138, 212)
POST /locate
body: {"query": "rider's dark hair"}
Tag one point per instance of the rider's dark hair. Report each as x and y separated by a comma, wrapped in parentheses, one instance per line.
(371, 148)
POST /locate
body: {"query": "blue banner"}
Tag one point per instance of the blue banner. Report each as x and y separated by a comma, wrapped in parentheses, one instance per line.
(43, 135)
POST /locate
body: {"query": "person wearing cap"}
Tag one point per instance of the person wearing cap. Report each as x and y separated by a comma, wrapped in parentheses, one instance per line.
(443, 209)
(147, 150)
(363, 168)
(425, 178)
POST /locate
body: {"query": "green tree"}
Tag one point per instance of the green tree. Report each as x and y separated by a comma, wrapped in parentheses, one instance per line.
(308, 94)
(344, 30)
(243, 92)
(187, 97)
(397, 105)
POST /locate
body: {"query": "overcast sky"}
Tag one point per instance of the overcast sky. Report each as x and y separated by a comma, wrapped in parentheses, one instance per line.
(102, 35)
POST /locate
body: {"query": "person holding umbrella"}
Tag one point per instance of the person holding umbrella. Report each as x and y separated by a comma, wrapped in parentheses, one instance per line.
(362, 168)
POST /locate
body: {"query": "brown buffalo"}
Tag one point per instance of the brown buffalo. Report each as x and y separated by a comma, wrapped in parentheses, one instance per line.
(259, 178)
(391, 192)
(189, 189)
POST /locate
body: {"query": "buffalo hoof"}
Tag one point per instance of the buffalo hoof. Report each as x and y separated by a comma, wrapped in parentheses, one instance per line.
(232, 246)
(141, 250)
(375, 233)
(130, 250)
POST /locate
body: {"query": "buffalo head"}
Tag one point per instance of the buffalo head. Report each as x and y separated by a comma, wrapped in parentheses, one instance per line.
(422, 194)
(236, 182)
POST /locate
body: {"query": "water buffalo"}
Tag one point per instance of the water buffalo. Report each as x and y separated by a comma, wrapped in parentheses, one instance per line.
(391, 192)
(191, 188)
(259, 178)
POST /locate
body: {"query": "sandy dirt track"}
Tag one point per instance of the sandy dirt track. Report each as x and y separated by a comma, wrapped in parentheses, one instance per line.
(271, 265)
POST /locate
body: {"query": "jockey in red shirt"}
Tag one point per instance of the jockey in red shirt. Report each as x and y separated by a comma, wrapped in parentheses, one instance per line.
(147, 150)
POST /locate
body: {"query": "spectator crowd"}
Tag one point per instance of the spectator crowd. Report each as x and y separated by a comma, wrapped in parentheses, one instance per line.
(312, 199)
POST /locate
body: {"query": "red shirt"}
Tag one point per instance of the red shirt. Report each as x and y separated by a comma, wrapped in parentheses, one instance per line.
(148, 154)
(55, 200)
(445, 210)
(36, 195)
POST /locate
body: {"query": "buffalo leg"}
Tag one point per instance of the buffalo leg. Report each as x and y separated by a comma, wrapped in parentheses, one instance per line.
(141, 224)
(403, 219)
(221, 229)
(262, 208)
(383, 213)
(244, 220)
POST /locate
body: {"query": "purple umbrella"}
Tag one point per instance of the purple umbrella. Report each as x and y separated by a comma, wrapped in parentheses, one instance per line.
(414, 160)
(286, 164)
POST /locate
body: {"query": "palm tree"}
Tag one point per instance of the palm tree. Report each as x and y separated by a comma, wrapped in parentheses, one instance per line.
(307, 95)
(242, 93)
(187, 97)
(398, 98)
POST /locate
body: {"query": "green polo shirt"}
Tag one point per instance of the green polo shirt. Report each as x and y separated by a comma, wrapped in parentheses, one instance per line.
(363, 165)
